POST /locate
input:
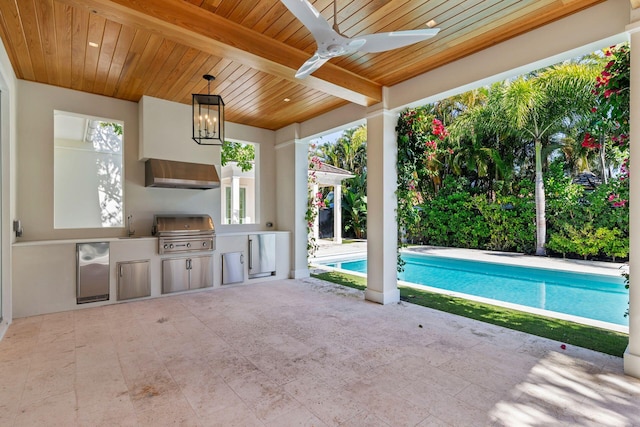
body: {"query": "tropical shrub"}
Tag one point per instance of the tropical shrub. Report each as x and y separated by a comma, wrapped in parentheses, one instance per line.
(354, 209)
(511, 223)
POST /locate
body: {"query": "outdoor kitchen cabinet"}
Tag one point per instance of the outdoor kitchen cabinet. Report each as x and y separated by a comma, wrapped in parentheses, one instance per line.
(182, 274)
(262, 255)
(133, 279)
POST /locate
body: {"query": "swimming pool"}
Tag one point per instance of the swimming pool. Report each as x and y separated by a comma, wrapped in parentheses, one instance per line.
(591, 296)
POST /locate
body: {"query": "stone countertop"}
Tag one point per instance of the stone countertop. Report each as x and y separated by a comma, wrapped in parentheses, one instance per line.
(89, 240)
(130, 239)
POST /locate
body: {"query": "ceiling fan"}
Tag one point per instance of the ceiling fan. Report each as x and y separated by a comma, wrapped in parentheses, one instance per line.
(331, 43)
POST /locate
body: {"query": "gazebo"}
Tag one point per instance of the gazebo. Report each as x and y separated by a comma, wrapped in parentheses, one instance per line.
(330, 176)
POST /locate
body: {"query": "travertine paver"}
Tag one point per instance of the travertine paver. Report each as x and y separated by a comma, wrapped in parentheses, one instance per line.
(302, 353)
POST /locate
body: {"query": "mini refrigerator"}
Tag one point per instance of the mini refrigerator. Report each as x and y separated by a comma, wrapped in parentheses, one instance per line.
(92, 275)
(262, 255)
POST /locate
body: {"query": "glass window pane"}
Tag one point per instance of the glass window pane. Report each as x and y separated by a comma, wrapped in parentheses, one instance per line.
(240, 172)
(243, 204)
(88, 171)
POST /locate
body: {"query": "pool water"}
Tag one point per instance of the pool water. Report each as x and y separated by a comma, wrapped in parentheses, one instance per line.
(597, 297)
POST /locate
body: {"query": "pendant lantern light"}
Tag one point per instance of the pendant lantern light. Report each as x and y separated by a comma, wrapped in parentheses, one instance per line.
(208, 116)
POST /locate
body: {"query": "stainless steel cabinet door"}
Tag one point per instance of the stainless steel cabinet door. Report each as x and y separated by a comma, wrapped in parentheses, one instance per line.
(201, 269)
(175, 275)
(232, 267)
(133, 279)
(262, 254)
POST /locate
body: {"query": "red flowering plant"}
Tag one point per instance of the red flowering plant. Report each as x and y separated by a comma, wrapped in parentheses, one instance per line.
(315, 201)
(423, 150)
(609, 122)
(612, 93)
(590, 142)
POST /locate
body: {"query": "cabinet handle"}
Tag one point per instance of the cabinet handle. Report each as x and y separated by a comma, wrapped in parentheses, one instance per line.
(241, 258)
(188, 261)
(250, 259)
(121, 273)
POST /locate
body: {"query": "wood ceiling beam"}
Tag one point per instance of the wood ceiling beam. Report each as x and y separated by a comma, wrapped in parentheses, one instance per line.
(198, 28)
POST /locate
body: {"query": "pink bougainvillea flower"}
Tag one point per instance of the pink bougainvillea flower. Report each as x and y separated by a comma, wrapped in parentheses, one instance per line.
(590, 142)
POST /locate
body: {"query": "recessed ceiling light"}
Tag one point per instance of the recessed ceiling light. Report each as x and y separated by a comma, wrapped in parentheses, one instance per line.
(432, 23)
(93, 44)
(287, 100)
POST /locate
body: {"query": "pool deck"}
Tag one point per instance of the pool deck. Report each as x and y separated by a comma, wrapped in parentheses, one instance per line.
(298, 353)
(328, 250)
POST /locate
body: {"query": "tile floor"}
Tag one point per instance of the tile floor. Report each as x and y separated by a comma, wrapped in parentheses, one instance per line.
(297, 353)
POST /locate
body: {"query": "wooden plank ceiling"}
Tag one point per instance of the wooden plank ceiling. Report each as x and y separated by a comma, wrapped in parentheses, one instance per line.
(161, 48)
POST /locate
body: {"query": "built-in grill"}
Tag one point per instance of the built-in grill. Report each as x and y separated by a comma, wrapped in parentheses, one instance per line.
(184, 233)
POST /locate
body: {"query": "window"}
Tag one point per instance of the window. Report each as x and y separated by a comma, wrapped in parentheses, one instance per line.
(242, 206)
(239, 181)
(88, 179)
(228, 203)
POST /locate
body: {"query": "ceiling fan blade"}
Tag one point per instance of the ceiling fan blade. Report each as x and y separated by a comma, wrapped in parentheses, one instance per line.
(312, 64)
(396, 39)
(310, 18)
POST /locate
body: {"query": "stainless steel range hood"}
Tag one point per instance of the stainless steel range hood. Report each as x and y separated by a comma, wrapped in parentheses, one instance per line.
(172, 174)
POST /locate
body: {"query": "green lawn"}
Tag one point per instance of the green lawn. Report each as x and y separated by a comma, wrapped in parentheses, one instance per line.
(602, 340)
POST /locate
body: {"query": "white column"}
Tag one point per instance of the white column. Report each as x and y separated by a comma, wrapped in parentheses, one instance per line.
(382, 283)
(292, 183)
(337, 213)
(632, 354)
(316, 221)
(235, 199)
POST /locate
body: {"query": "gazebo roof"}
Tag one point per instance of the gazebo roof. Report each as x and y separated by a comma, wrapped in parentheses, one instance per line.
(330, 175)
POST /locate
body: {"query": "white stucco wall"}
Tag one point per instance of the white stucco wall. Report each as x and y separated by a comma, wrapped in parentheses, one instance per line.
(166, 134)
(34, 204)
(8, 95)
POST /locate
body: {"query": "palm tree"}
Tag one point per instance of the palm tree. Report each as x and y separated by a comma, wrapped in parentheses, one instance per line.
(479, 159)
(537, 105)
(351, 150)
(480, 138)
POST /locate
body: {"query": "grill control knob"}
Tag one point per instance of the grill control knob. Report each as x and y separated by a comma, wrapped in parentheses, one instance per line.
(171, 246)
(188, 245)
(204, 244)
(166, 246)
